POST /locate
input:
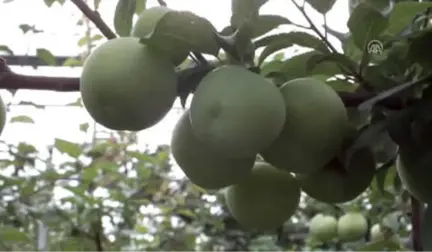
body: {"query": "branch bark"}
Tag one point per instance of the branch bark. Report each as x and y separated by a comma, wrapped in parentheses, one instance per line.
(95, 18)
(417, 214)
(67, 84)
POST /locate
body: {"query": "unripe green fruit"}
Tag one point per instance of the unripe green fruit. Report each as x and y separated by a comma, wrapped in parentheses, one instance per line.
(203, 166)
(146, 23)
(323, 227)
(2, 115)
(352, 226)
(127, 86)
(237, 112)
(377, 234)
(265, 199)
(316, 120)
(335, 184)
(414, 174)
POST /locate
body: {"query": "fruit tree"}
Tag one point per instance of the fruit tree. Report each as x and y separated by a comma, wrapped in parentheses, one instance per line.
(327, 149)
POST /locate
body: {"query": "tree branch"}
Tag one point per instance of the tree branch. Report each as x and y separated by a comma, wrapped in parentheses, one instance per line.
(11, 80)
(95, 18)
(417, 208)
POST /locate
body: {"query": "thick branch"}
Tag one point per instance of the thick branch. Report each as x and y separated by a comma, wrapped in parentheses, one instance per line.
(65, 84)
(417, 214)
(95, 18)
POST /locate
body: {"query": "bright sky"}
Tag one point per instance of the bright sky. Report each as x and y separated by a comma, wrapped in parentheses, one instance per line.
(60, 36)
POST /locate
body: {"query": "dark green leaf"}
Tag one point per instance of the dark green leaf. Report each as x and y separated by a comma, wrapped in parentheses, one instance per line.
(183, 30)
(72, 149)
(403, 13)
(351, 50)
(22, 119)
(374, 74)
(296, 66)
(380, 178)
(46, 56)
(367, 137)
(298, 38)
(6, 49)
(322, 6)
(123, 17)
(419, 50)
(366, 24)
(243, 10)
(277, 42)
(265, 23)
(337, 58)
(273, 66)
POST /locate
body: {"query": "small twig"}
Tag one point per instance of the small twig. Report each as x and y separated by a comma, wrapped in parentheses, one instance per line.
(314, 27)
(417, 209)
(325, 25)
(95, 18)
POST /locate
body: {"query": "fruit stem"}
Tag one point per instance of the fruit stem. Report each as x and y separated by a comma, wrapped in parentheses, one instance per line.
(417, 209)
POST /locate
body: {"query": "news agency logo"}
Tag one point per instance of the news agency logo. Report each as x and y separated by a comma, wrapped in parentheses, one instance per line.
(375, 47)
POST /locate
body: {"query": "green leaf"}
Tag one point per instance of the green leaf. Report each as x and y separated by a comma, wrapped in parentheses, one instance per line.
(86, 40)
(22, 119)
(72, 149)
(384, 245)
(49, 3)
(366, 24)
(380, 178)
(46, 56)
(265, 23)
(297, 66)
(84, 127)
(140, 6)
(6, 49)
(337, 58)
(351, 50)
(322, 6)
(12, 234)
(123, 17)
(71, 62)
(274, 43)
(96, 4)
(426, 229)
(90, 173)
(243, 10)
(403, 13)
(29, 28)
(183, 30)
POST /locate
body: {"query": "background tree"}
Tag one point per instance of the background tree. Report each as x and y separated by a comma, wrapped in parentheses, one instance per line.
(124, 198)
